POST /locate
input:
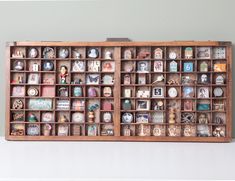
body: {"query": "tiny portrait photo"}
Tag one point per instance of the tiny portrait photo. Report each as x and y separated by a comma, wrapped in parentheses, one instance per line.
(203, 92)
(143, 67)
(33, 79)
(158, 66)
(157, 92)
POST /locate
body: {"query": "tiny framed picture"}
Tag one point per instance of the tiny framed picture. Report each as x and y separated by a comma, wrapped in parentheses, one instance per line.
(141, 79)
(188, 105)
(219, 79)
(127, 79)
(143, 67)
(188, 67)
(203, 67)
(142, 118)
(18, 91)
(33, 78)
(158, 92)
(108, 66)
(93, 79)
(63, 130)
(127, 92)
(158, 53)
(128, 54)
(158, 66)
(78, 66)
(173, 66)
(220, 67)
(203, 52)
(142, 105)
(188, 53)
(94, 66)
(219, 53)
(203, 92)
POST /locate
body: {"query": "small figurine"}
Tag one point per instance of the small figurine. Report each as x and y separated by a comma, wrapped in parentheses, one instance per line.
(92, 92)
(77, 91)
(63, 119)
(93, 53)
(76, 54)
(47, 129)
(107, 117)
(63, 74)
(91, 113)
(172, 116)
(108, 55)
(159, 79)
(219, 132)
(63, 53)
(32, 118)
(18, 54)
(107, 67)
(188, 53)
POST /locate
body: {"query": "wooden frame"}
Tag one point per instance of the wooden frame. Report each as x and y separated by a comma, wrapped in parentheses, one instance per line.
(142, 51)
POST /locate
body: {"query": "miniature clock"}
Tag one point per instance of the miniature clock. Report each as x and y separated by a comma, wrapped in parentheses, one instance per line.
(63, 52)
(127, 118)
(33, 53)
(218, 92)
(93, 53)
(172, 92)
(172, 55)
(32, 91)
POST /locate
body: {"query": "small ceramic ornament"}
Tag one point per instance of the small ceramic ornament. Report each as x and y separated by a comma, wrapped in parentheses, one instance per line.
(93, 53)
(78, 117)
(48, 52)
(63, 74)
(159, 130)
(188, 53)
(32, 118)
(18, 54)
(63, 52)
(143, 54)
(127, 118)
(107, 117)
(33, 53)
(32, 91)
(35, 67)
(47, 117)
(107, 92)
(77, 91)
(219, 79)
(173, 66)
(63, 130)
(47, 129)
(18, 65)
(188, 67)
(172, 92)
(126, 105)
(172, 55)
(48, 65)
(18, 104)
(108, 55)
(158, 53)
(92, 92)
(219, 53)
(218, 92)
(76, 54)
(203, 67)
(127, 54)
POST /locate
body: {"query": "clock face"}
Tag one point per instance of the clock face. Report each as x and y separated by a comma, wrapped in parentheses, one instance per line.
(218, 92)
(32, 92)
(172, 55)
(78, 117)
(172, 92)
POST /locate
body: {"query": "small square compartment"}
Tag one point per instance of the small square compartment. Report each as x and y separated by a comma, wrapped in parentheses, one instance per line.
(78, 52)
(128, 130)
(77, 130)
(158, 130)
(18, 78)
(93, 52)
(188, 52)
(33, 65)
(107, 130)
(173, 53)
(33, 52)
(128, 53)
(174, 130)
(143, 53)
(107, 53)
(219, 118)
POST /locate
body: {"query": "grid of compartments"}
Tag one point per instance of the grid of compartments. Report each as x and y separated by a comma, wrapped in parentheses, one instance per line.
(173, 91)
(61, 91)
(124, 91)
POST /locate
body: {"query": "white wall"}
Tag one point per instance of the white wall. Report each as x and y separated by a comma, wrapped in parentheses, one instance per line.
(95, 20)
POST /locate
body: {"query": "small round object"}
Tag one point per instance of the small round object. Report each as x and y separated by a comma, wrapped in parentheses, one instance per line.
(48, 52)
(172, 92)
(172, 55)
(78, 117)
(63, 52)
(18, 104)
(18, 65)
(47, 117)
(160, 103)
(33, 53)
(48, 65)
(32, 91)
(218, 92)
(127, 118)
(93, 53)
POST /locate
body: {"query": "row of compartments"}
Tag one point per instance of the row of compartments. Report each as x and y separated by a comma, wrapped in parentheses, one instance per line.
(200, 92)
(73, 91)
(145, 52)
(53, 78)
(187, 105)
(141, 66)
(75, 104)
(173, 130)
(170, 116)
(172, 79)
(61, 129)
(32, 116)
(69, 65)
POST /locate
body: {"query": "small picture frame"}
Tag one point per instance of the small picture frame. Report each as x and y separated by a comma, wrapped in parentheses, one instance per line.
(127, 92)
(142, 118)
(63, 130)
(188, 105)
(92, 79)
(107, 79)
(203, 67)
(33, 78)
(219, 79)
(220, 67)
(158, 53)
(204, 79)
(188, 53)
(108, 66)
(173, 67)
(188, 67)
(141, 78)
(142, 105)
(219, 53)
(203, 92)
(93, 66)
(142, 67)
(203, 52)
(127, 79)
(78, 66)
(158, 66)
(143, 93)
(18, 91)
(158, 92)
